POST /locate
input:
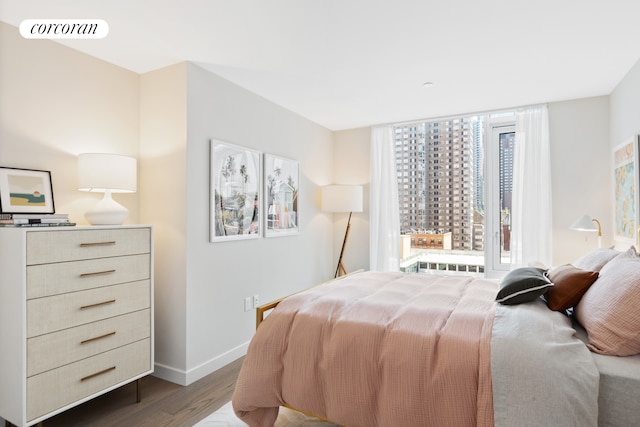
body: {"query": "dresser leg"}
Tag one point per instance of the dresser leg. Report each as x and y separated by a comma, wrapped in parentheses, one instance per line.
(138, 394)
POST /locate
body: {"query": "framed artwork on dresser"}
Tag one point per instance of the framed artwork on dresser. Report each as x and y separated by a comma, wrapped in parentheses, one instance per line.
(25, 191)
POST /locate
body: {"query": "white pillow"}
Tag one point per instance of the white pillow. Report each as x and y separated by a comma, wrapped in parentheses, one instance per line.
(596, 259)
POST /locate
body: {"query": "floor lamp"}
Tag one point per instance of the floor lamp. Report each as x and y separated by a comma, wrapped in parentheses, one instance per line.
(342, 198)
(586, 223)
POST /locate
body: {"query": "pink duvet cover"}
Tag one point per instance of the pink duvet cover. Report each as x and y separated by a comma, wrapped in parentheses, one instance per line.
(375, 349)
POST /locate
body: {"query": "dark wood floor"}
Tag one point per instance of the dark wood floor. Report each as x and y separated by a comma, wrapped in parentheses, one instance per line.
(163, 403)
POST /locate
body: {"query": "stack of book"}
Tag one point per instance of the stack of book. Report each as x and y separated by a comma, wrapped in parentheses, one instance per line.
(34, 220)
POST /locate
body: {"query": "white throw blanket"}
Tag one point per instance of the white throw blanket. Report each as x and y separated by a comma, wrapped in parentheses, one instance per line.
(542, 374)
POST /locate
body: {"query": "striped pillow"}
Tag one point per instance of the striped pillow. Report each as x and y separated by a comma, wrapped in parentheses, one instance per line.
(523, 285)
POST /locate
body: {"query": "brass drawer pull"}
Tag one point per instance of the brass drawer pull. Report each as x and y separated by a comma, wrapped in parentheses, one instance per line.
(97, 338)
(97, 273)
(97, 304)
(86, 245)
(104, 371)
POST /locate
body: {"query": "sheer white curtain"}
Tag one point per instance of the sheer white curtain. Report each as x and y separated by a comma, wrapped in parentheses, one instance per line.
(384, 223)
(531, 203)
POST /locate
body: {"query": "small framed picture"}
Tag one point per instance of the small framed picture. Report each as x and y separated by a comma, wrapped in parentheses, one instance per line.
(282, 185)
(25, 191)
(236, 174)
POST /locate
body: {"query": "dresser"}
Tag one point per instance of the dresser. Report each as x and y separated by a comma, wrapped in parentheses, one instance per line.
(76, 316)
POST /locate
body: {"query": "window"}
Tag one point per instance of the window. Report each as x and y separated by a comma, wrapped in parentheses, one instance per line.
(466, 212)
(500, 148)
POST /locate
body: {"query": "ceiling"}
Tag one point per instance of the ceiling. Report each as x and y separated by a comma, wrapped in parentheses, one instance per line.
(353, 63)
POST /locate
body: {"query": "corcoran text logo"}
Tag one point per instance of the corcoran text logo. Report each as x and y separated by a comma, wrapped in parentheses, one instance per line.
(64, 28)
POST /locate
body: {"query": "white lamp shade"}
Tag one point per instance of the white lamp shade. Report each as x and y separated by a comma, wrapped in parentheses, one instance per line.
(342, 198)
(107, 173)
(584, 223)
(102, 172)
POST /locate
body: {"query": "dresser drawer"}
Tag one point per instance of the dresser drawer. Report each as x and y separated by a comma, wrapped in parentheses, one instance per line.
(50, 351)
(50, 314)
(58, 278)
(54, 389)
(59, 246)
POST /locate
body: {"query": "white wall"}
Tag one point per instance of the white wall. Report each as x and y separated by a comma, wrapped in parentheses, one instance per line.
(163, 203)
(625, 107)
(200, 286)
(351, 158)
(581, 174)
(56, 103)
(221, 274)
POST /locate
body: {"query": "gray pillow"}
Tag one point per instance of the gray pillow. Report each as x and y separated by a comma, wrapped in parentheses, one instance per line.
(523, 285)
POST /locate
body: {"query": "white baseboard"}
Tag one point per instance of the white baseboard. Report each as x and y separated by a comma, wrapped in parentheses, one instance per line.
(169, 373)
(185, 378)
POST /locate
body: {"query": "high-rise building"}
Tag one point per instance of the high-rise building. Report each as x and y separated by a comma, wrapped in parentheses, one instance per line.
(411, 167)
(507, 145)
(435, 165)
(478, 169)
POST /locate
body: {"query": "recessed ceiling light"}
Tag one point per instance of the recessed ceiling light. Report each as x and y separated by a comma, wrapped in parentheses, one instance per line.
(427, 84)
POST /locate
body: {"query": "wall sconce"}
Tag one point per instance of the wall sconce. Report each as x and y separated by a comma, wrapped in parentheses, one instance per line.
(586, 223)
(107, 173)
(342, 198)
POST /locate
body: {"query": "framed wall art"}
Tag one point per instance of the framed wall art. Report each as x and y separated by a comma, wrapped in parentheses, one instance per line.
(626, 173)
(235, 192)
(282, 185)
(26, 191)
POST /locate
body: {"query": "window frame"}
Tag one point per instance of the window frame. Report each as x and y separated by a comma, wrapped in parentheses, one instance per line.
(495, 266)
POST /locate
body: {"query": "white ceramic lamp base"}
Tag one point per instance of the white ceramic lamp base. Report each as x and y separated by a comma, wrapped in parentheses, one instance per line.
(107, 212)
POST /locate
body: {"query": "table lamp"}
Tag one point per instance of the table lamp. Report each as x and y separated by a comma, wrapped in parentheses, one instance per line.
(107, 173)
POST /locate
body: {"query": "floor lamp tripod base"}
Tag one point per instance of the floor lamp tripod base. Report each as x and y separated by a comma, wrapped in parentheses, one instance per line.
(340, 270)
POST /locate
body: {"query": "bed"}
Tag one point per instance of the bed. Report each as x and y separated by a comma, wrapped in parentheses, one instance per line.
(619, 389)
(388, 349)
